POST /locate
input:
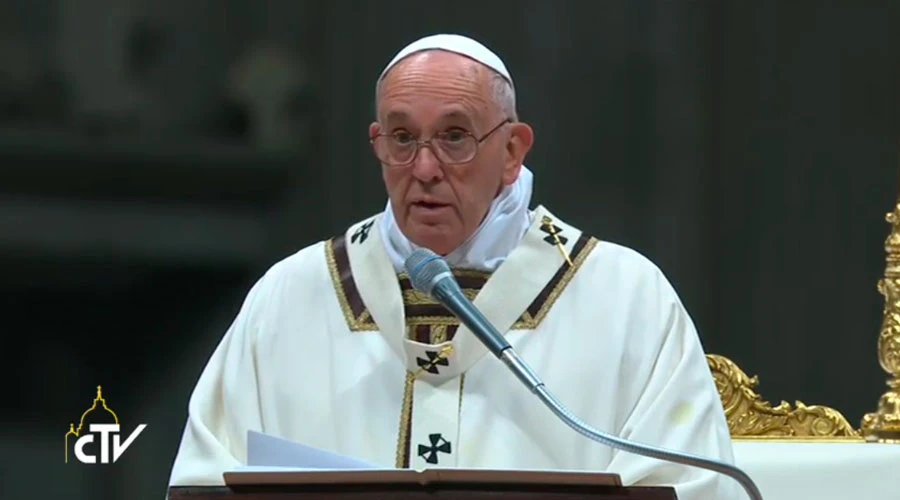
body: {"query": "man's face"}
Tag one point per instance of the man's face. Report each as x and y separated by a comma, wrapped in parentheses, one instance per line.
(438, 205)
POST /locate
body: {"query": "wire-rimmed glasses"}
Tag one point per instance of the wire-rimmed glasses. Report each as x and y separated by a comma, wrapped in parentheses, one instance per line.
(452, 147)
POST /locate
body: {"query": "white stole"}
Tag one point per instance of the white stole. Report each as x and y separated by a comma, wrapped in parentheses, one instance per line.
(436, 391)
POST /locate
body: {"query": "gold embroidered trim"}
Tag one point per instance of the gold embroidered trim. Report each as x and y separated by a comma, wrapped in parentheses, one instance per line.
(417, 298)
(364, 322)
(405, 421)
(431, 320)
(438, 334)
(557, 290)
(527, 321)
(458, 272)
(401, 459)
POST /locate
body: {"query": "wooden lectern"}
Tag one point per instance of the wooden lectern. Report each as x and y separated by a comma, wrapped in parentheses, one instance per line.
(406, 484)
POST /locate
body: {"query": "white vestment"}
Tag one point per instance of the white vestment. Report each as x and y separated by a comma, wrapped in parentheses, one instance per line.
(333, 349)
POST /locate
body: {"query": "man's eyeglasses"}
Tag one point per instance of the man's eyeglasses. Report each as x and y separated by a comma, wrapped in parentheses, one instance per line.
(451, 147)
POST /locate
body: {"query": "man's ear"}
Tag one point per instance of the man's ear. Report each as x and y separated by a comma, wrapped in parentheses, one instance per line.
(521, 138)
(374, 129)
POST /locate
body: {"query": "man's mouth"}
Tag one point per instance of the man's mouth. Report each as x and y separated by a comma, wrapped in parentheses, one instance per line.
(429, 204)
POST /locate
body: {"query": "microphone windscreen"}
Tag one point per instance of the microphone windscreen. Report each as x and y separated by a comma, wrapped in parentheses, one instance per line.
(422, 266)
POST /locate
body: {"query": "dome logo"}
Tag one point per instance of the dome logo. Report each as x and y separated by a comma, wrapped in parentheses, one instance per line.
(101, 438)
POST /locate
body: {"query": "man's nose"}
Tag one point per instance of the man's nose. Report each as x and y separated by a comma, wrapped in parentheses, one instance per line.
(426, 166)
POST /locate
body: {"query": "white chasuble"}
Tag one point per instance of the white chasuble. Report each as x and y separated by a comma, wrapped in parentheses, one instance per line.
(334, 349)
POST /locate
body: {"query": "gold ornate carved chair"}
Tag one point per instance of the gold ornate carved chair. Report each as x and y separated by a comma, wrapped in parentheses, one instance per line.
(751, 417)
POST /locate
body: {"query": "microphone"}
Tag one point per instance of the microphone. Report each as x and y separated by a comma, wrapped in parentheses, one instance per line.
(430, 274)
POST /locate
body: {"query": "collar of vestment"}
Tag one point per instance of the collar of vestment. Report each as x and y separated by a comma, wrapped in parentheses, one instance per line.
(498, 234)
(428, 340)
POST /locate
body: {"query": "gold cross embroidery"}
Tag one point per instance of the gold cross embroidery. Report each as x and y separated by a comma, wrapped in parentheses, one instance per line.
(443, 353)
(546, 221)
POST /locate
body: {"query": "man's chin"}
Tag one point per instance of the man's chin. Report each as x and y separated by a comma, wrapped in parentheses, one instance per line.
(439, 238)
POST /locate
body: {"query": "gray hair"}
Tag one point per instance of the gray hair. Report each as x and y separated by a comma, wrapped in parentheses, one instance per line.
(502, 93)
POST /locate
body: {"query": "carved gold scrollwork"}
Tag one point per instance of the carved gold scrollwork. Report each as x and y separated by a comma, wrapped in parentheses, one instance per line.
(749, 416)
(884, 424)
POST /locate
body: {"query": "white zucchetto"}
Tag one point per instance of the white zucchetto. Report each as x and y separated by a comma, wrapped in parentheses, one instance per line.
(457, 44)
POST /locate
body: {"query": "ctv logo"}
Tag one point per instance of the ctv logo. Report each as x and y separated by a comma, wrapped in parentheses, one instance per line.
(100, 442)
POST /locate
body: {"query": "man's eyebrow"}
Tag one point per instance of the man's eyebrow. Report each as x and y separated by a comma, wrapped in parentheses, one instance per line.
(456, 115)
(395, 116)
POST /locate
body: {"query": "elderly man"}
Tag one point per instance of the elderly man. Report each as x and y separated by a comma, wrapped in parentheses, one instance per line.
(333, 348)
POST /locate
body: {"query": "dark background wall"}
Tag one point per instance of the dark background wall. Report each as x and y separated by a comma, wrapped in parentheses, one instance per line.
(751, 149)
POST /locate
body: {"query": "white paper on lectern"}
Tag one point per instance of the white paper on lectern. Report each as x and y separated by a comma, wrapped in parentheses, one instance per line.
(266, 451)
